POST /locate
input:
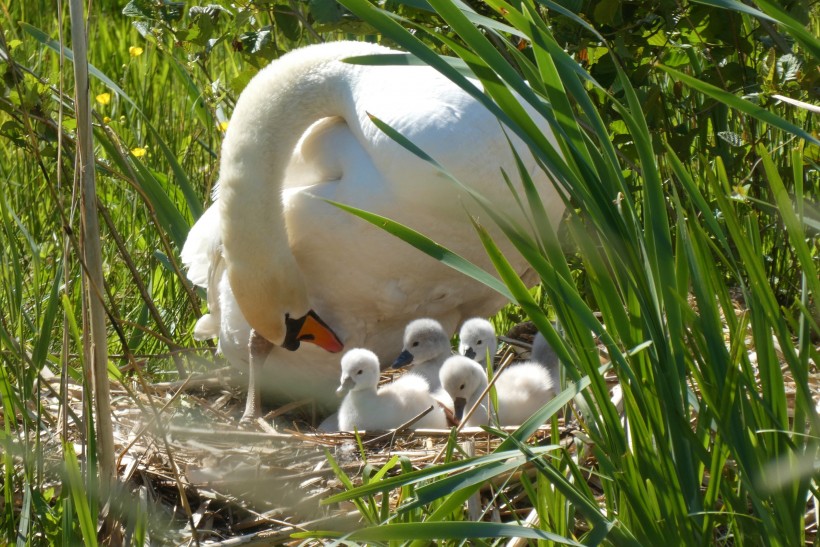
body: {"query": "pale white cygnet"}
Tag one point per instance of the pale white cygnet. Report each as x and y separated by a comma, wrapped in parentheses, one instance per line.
(367, 408)
(426, 347)
(465, 380)
(477, 339)
(522, 389)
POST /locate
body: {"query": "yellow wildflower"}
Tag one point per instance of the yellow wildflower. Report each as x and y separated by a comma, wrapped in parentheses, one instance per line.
(134, 51)
(106, 119)
(223, 126)
(139, 152)
(103, 98)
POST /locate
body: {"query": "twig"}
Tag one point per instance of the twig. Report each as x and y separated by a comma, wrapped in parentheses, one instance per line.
(515, 342)
(95, 342)
(402, 427)
(195, 381)
(268, 537)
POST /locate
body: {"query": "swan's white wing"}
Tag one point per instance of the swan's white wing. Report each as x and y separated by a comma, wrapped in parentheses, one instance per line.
(201, 246)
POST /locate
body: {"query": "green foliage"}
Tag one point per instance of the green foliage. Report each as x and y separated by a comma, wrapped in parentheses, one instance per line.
(683, 167)
(643, 273)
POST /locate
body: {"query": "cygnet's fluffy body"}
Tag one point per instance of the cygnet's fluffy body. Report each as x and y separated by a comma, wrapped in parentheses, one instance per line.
(522, 389)
(543, 354)
(367, 408)
(477, 339)
(426, 347)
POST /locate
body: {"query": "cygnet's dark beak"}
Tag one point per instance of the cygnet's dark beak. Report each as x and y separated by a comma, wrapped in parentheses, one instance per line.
(458, 407)
(469, 352)
(310, 328)
(345, 386)
(404, 358)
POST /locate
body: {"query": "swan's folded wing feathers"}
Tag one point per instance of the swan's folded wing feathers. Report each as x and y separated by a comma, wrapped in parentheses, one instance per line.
(201, 245)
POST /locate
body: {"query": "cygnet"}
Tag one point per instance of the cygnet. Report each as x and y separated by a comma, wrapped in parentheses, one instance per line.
(367, 408)
(522, 389)
(476, 340)
(426, 347)
(543, 354)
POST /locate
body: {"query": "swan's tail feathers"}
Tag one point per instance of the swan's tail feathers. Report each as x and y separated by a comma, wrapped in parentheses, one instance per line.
(202, 255)
(203, 244)
(216, 272)
(207, 327)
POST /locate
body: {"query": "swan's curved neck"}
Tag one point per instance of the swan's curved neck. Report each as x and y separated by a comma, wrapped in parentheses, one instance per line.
(278, 105)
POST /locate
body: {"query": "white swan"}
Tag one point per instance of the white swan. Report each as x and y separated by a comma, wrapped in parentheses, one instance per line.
(300, 134)
(366, 408)
(522, 389)
(476, 339)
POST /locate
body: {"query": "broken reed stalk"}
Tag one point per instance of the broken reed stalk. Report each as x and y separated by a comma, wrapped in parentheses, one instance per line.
(94, 332)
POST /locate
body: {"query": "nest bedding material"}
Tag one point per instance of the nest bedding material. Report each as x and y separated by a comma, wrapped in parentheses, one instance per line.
(199, 476)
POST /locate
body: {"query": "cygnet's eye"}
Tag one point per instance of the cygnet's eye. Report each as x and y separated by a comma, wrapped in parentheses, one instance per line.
(360, 371)
(480, 342)
(416, 343)
(461, 387)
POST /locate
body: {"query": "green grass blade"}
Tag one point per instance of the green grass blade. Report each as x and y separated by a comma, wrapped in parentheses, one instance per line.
(415, 477)
(24, 523)
(475, 477)
(430, 247)
(41, 347)
(78, 495)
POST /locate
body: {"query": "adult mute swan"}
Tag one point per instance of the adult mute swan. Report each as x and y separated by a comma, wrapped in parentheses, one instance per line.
(366, 408)
(522, 389)
(297, 269)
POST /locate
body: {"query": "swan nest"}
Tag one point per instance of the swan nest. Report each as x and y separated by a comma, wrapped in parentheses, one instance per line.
(261, 483)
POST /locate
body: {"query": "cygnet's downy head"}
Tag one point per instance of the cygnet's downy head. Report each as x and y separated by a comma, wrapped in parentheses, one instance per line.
(476, 339)
(464, 380)
(360, 370)
(424, 340)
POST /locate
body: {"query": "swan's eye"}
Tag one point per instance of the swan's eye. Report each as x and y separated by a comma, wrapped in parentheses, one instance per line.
(461, 387)
(360, 371)
(416, 343)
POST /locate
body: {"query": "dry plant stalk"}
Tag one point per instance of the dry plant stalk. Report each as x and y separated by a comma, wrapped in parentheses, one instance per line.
(94, 332)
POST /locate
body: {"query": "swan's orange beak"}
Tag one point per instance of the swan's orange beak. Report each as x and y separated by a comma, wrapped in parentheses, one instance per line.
(310, 328)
